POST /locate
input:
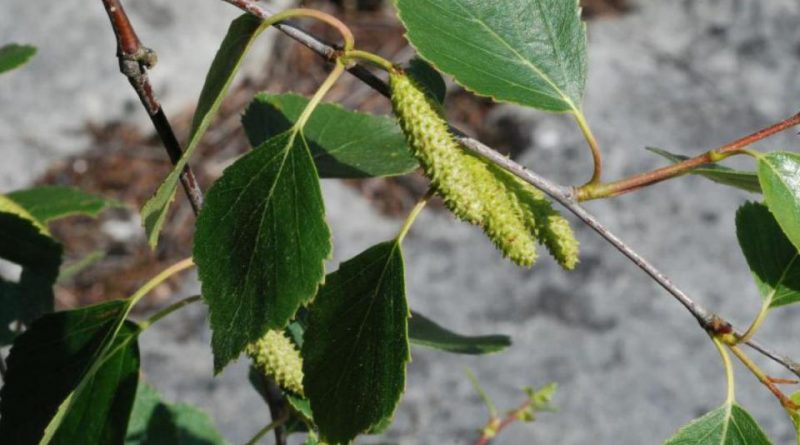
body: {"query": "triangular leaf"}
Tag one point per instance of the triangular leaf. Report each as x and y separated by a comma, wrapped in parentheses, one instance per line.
(344, 144)
(779, 174)
(260, 243)
(729, 424)
(356, 345)
(22, 243)
(772, 258)
(50, 360)
(747, 181)
(14, 55)
(48, 203)
(423, 331)
(529, 52)
(241, 34)
(153, 421)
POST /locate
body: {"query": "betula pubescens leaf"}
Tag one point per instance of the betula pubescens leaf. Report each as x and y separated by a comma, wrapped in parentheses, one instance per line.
(779, 174)
(343, 143)
(743, 180)
(276, 356)
(513, 214)
(49, 203)
(49, 364)
(241, 34)
(154, 421)
(355, 348)
(773, 259)
(729, 424)
(260, 243)
(23, 243)
(15, 55)
(529, 52)
(423, 331)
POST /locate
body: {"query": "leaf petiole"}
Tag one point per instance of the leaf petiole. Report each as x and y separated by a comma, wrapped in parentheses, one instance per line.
(412, 216)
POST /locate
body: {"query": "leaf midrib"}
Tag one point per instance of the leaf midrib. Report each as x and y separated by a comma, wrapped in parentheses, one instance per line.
(524, 60)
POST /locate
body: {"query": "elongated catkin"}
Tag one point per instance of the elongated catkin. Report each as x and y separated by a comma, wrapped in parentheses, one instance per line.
(513, 214)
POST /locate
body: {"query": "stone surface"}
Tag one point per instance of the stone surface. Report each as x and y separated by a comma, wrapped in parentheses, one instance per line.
(75, 78)
(632, 364)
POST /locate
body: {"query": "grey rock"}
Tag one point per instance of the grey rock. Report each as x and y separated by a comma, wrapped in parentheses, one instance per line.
(632, 364)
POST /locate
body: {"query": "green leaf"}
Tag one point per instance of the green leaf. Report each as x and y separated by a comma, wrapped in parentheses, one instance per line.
(241, 34)
(779, 174)
(7, 205)
(747, 181)
(23, 244)
(529, 52)
(51, 359)
(344, 144)
(260, 243)
(49, 203)
(156, 422)
(423, 331)
(729, 424)
(356, 345)
(14, 55)
(773, 259)
(427, 76)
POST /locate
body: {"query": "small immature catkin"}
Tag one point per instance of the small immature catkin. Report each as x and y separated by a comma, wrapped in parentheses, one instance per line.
(513, 214)
(275, 355)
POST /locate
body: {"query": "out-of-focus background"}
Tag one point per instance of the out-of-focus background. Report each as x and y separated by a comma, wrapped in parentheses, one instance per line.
(631, 363)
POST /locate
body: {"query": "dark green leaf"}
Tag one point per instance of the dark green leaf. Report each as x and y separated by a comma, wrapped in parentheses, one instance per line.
(356, 344)
(425, 332)
(49, 203)
(48, 362)
(14, 55)
(772, 258)
(428, 78)
(530, 52)
(241, 34)
(779, 174)
(22, 243)
(747, 181)
(344, 144)
(260, 243)
(729, 424)
(155, 422)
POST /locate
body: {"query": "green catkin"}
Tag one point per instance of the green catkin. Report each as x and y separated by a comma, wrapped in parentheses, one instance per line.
(513, 214)
(551, 229)
(276, 356)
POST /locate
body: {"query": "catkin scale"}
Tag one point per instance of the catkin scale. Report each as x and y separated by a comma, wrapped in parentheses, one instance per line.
(276, 356)
(513, 214)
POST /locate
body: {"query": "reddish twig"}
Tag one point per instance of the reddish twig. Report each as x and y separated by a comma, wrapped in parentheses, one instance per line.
(495, 425)
(134, 61)
(616, 188)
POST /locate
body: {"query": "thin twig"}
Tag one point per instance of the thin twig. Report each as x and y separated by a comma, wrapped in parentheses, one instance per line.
(495, 425)
(563, 195)
(277, 406)
(635, 182)
(134, 61)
